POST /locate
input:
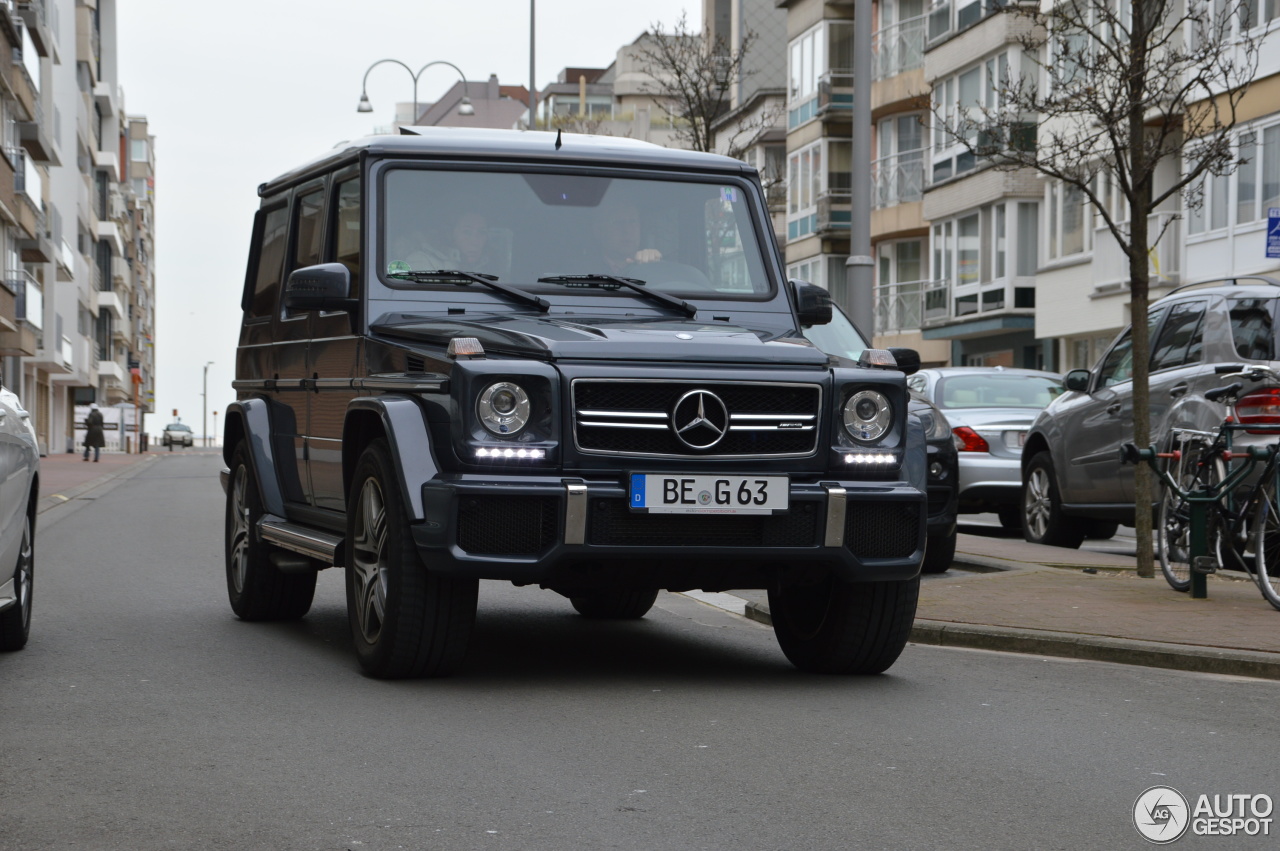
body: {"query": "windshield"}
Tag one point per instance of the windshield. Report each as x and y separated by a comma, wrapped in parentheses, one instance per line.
(694, 238)
(996, 391)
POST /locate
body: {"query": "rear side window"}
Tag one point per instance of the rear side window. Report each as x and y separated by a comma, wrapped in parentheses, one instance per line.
(1180, 340)
(1117, 366)
(1253, 328)
(271, 248)
(347, 226)
(310, 229)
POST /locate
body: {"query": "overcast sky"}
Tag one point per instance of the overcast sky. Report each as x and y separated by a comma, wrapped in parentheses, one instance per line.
(239, 91)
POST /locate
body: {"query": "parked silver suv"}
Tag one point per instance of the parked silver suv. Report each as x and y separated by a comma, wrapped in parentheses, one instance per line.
(1072, 482)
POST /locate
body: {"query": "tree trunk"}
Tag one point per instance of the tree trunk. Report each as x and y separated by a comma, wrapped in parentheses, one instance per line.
(1139, 285)
(1141, 176)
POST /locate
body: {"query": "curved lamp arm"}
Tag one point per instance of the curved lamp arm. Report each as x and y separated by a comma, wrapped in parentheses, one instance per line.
(465, 108)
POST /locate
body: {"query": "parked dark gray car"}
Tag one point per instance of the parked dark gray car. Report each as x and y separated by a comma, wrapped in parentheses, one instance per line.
(1072, 482)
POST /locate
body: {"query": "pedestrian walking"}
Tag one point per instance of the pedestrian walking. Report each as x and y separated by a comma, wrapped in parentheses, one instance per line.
(94, 438)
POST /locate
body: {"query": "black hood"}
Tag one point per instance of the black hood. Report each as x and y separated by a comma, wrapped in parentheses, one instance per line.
(607, 338)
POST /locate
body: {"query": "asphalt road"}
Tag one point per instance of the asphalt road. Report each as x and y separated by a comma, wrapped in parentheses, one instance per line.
(142, 715)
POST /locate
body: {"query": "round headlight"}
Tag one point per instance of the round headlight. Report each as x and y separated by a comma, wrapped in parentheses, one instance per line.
(503, 408)
(867, 415)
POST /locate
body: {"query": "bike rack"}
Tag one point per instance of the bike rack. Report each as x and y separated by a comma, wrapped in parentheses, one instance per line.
(1202, 563)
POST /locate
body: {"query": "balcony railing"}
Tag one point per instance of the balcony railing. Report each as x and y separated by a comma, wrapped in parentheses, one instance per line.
(898, 48)
(897, 179)
(29, 302)
(834, 210)
(1111, 264)
(945, 303)
(901, 307)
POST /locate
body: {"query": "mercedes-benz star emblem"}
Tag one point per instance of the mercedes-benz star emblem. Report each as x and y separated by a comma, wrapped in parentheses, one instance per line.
(700, 419)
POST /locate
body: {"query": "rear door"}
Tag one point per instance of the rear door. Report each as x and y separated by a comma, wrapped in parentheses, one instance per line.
(334, 356)
(1177, 368)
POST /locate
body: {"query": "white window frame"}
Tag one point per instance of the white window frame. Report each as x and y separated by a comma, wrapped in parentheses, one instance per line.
(949, 113)
(1055, 238)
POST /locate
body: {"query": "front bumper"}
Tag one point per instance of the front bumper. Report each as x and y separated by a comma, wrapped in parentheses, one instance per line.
(564, 530)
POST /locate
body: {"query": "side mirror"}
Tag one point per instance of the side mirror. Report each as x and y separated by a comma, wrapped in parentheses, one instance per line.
(813, 304)
(323, 287)
(908, 359)
(1077, 380)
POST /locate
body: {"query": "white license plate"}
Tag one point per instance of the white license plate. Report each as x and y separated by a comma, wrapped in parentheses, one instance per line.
(670, 493)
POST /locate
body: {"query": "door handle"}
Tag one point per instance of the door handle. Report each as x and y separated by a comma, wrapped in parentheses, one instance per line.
(1113, 409)
(1179, 389)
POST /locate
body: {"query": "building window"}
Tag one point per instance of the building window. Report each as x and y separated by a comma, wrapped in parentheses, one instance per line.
(803, 187)
(898, 171)
(811, 270)
(820, 71)
(1067, 233)
(983, 257)
(1255, 184)
(138, 150)
(959, 102)
(951, 16)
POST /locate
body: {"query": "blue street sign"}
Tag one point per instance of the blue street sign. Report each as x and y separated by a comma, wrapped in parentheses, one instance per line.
(1273, 232)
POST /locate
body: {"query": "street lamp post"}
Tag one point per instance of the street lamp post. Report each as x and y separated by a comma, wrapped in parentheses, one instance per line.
(464, 108)
(204, 407)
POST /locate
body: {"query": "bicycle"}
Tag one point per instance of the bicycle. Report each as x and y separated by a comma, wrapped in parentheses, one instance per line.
(1242, 510)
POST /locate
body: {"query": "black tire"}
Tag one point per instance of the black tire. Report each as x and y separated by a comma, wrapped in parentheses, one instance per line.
(405, 620)
(15, 621)
(1100, 530)
(835, 627)
(1010, 517)
(1042, 519)
(1173, 518)
(1266, 542)
(614, 604)
(257, 589)
(939, 552)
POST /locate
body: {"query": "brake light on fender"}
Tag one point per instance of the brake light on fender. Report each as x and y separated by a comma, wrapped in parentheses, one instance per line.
(968, 440)
(1261, 407)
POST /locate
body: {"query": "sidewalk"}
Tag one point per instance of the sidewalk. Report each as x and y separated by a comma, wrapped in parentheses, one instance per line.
(1006, 594)
(65, 476)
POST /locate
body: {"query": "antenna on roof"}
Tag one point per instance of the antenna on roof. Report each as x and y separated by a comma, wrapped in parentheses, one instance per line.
(558, 142)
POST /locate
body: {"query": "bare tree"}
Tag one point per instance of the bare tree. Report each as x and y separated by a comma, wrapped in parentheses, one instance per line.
(693, 79)
(1118, 89)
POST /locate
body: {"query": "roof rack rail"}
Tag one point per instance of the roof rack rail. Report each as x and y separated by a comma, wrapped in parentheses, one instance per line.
(1240, 281)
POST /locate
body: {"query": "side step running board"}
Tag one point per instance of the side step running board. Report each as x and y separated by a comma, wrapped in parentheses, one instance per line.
(324, 547)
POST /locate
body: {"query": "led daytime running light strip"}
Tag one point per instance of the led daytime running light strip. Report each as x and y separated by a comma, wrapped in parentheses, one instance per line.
(528, 454)
(871, 458)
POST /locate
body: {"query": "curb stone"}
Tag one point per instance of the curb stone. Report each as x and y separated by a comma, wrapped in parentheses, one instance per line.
(1094, 648)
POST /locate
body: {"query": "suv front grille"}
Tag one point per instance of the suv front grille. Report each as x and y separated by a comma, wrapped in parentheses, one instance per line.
(627, 417)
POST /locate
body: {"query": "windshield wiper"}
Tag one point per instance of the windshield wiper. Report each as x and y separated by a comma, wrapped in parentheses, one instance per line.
(633, 284)
(462, 279)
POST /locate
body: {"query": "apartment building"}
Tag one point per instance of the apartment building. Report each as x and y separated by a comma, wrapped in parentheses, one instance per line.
(78, 226)
(984, 223)
(620, 100)
(753, 128)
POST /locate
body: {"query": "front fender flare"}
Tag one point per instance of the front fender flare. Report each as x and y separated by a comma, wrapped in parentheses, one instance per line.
(255, 422)
(405, 425)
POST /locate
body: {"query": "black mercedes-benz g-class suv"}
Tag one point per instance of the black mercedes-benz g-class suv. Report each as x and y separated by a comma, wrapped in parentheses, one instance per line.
(566, 362)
